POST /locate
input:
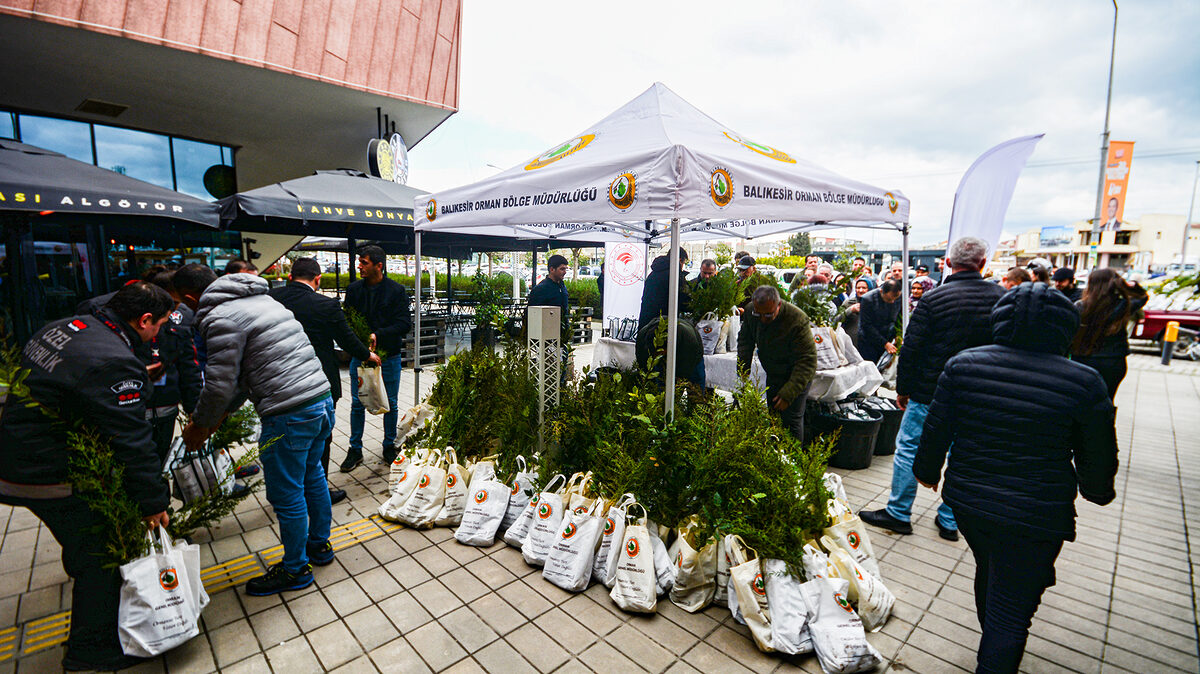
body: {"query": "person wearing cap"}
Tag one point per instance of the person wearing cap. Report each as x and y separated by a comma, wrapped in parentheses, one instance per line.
(922, 270)
(745, 270)
(1039, 269)
(1064, 280)
(657, 289)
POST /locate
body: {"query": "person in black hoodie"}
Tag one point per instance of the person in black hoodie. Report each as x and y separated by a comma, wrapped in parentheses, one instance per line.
(1108, 304)
(656, 291)
(1013, 490)
(384, 303)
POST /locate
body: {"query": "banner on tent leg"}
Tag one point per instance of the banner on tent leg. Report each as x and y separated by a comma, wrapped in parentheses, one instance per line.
(624, 276)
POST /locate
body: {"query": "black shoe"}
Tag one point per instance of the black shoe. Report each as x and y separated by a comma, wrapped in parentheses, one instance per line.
(353, 460)
(948, 534)
(389, 454)
(246, 471)
(72, 664)
(239, 489)
(278, 579)
(336, 496)
(320, 555)
(880, 518)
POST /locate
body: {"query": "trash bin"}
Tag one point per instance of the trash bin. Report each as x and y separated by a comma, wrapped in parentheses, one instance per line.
(856, 444)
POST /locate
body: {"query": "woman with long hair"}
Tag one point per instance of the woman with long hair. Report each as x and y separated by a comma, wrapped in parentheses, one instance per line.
(1102, 343)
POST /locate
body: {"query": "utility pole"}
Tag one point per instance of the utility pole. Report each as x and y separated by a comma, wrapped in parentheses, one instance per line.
(1187, 226)
(1104, 146)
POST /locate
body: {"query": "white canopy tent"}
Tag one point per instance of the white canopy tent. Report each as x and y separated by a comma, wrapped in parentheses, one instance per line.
(659, 169)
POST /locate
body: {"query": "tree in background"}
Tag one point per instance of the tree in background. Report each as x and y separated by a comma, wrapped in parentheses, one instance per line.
(800, 243)
(722, 253)
(576, 253)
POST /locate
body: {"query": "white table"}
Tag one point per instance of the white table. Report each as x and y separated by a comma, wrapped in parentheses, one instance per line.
(720, 371)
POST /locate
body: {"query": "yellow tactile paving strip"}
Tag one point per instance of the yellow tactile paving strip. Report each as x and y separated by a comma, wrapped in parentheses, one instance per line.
(52, 630)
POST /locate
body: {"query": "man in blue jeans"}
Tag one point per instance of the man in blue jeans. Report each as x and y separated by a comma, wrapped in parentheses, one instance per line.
(257, 349)
(951, 318)
(384, 305)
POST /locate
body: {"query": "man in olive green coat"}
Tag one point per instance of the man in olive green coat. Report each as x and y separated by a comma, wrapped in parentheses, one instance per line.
(786, 350)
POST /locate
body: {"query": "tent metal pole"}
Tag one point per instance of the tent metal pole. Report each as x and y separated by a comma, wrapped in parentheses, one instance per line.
(672, 317)
(417, 323)
(904, 296)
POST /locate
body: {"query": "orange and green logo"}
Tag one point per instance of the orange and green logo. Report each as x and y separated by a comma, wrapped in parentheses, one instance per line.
(720, 187)
(569, 531)
(609, 526)
(764, 150)
(431, 210)
(403, 476)
(481, 496)
(168, 579)
(424, 481)
(535, 499)
(399, 459)
(679, 559)
(561, 151)
(759, 587)
(853, 540)
(544, 510)
(516, 488)
(451, 480)
(622, 191)
(632, 548)
(892, 203)
(837, 596)
(580, 510)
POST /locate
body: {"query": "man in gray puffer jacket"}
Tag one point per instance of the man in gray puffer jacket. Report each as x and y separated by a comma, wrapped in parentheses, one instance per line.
(257, 349)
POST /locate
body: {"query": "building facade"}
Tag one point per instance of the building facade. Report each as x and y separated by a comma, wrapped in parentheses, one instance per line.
(206, 98)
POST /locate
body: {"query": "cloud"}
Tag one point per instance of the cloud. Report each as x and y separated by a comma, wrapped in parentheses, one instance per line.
(904, 95)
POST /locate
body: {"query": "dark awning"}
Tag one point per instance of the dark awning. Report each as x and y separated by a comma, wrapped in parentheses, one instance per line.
(336, 197)
(34, 179)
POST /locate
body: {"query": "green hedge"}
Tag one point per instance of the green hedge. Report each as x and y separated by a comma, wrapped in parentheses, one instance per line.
(585, 293)
(502, 282)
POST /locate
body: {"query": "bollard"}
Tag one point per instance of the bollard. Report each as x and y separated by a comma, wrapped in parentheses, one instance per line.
(1170, 334)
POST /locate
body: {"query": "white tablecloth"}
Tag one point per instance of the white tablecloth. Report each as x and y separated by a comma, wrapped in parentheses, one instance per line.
(720, 371)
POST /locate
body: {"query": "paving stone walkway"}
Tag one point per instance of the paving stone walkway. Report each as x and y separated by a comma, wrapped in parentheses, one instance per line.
(408, 601)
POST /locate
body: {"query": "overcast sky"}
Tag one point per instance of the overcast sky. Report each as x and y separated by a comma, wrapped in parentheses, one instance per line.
(901, 95)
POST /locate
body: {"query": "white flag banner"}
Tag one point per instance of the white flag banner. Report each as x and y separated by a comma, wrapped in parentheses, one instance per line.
(986, 189)
(624, 276)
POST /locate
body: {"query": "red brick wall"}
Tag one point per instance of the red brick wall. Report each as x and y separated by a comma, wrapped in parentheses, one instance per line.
(400, 48)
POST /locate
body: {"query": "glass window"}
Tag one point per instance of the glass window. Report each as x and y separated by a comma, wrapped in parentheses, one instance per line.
(192, 159)
(137, 154)
(73, 139)
(8, 125)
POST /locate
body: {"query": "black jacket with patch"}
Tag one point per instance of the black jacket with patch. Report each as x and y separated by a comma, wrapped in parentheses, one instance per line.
(85, 369)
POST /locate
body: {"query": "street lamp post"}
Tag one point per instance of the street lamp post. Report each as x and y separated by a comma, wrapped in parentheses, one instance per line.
(1187, 226)
(1104, 146)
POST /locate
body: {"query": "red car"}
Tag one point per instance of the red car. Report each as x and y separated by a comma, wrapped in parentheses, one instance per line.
(1154, 323)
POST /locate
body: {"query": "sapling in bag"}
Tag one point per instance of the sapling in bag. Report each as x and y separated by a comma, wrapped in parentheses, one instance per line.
(543, 528)
(634, 587)
(746, 580)
(695, 570)
(837, 632)
(789, 613)
(849, 533)
(721, 593)
(486, 503)
(664, 570)
(400, 466)
(723, 339)
(516, 533)
(867, 592)
(829, 355)
(371, 393)
(710, 329)
(604, 568)
(519, 497)
(569, 564)
(483, 469)
(200, 472)
(427, 497)
(578, 497)
(456, 493)
(735, 325)
(406, 483)
(158, 607)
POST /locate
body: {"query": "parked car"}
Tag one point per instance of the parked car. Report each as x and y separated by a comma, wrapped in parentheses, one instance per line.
(1153, 325)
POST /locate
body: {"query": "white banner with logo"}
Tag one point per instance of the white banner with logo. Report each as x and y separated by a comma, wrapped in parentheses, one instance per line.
(624, 276)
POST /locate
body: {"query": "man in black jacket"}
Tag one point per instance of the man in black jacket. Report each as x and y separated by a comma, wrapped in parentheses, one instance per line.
(552, 292)
(656, 290)
(1028, 428)
(877, 314)
(324, 323)
(84, 371)
(1064, 281)
(948, 319)
(384, 304)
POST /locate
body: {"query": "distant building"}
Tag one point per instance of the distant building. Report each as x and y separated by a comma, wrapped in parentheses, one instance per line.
(1152, 240)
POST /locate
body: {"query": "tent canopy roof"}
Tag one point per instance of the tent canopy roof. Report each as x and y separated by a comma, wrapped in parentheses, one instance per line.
(654, 160)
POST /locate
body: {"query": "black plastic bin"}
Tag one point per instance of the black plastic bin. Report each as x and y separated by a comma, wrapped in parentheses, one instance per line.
(856, 445)
(885, 442)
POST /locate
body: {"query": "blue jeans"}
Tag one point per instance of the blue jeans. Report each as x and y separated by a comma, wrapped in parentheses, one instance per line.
(904, 483)
(390, 370)
(295, 477)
